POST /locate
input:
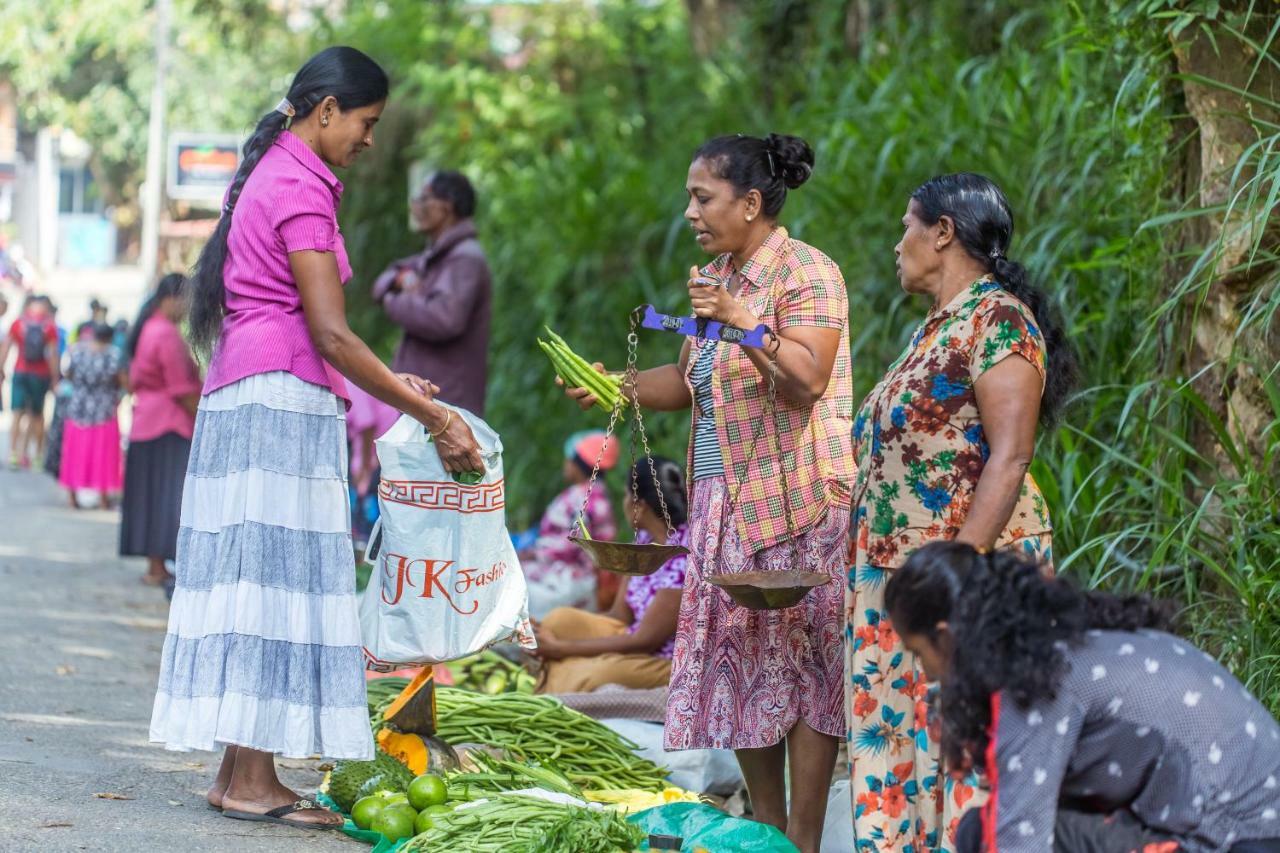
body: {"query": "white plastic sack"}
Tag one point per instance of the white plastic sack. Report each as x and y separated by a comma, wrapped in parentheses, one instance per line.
(703, 771)
(446, 582)
(837, 831)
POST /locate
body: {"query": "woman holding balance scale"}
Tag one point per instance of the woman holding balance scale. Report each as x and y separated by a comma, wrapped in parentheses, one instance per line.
(771, 483)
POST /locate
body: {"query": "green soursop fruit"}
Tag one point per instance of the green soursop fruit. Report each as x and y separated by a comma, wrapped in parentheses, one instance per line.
(398, 775)
(349, 778)
(374, 784)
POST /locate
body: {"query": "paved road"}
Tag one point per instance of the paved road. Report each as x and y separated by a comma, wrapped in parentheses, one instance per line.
(80, 642)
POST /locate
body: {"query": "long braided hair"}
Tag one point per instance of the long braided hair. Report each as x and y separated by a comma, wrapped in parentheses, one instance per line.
(984, 226)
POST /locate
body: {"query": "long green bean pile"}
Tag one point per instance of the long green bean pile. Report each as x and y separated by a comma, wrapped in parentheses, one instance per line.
(542, 729)
(516, 823)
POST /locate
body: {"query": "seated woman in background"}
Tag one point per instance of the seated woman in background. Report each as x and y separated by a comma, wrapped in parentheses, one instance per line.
(630, 645)
(1098, 730)
(559, 573)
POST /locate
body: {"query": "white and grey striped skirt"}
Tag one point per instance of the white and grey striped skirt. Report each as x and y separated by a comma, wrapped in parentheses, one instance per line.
(263, 648)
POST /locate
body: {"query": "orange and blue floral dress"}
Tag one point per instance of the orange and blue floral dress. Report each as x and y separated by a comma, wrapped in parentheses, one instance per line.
(920, 449)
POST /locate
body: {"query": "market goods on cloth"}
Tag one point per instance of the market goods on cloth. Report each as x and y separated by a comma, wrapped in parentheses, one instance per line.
(263, 646)
(446, 581)
(740, 678)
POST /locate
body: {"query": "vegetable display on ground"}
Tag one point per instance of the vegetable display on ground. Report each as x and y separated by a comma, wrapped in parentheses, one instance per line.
(541, 729)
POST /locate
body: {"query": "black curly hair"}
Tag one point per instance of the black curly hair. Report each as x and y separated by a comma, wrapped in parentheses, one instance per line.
(1011, 630)
(772, 165)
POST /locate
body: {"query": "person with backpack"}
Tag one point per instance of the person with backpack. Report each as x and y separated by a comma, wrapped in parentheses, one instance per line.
(35, 338)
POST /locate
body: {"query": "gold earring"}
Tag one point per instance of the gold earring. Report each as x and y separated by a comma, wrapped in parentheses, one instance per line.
(324, 121)
(749, 218)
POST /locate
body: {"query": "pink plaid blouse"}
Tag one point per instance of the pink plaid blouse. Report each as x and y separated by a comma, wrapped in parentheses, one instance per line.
(786, 284)
(289, 204)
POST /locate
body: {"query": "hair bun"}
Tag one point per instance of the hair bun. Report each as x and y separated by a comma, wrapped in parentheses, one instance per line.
(794, 156)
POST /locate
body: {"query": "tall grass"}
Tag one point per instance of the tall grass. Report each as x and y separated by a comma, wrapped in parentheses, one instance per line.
(580, 156)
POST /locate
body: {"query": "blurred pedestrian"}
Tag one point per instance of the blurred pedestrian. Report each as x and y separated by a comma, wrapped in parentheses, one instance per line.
(165, 382)
(442, 296)
(61, 397)
(35, 338)
(121, 339)
(90, 450)
(97, 311)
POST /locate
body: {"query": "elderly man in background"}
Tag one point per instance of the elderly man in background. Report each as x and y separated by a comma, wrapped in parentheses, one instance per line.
(442, 297)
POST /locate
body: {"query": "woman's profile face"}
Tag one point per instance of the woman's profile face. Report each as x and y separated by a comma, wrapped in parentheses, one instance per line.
(932, 652)
(348, 133)
(916, 253)
(717, 214)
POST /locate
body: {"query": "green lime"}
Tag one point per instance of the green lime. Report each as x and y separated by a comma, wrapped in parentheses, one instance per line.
(364, 811)
(427, 790)
(424, 821)
(395, 821)
(393, 799)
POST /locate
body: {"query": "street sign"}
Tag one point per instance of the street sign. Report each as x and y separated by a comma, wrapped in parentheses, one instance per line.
(201, 165)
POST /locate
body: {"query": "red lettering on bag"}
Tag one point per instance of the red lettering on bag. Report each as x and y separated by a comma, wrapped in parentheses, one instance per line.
(433, 580)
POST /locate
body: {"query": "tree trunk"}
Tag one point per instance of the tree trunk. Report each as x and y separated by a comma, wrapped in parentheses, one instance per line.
(1230, 118)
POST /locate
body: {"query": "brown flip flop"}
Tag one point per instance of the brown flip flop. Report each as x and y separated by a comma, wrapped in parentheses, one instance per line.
(280, 815)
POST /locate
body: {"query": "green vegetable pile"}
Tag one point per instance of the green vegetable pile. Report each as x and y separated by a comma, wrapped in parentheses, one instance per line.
(577, 373)
(489, 672)
(381, 692)
(495, 775)
(541, 729)
(516, 823)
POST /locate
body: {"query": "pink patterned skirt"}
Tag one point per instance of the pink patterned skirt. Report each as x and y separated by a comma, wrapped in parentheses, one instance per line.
(742, 679)
(91, 456)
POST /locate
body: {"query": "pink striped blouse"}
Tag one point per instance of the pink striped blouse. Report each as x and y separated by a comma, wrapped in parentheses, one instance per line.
(289, 204)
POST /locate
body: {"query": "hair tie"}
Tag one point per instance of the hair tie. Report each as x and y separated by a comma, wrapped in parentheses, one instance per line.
(285, 108)
(228, 208)
(772, 172)
(997, 255)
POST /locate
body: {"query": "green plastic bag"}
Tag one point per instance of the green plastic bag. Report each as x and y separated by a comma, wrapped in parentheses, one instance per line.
(702, 826)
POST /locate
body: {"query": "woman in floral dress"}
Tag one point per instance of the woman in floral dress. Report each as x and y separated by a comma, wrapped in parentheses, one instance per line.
(942, 444)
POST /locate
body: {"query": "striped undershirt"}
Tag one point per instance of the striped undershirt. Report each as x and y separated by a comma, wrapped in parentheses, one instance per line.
(707, 458)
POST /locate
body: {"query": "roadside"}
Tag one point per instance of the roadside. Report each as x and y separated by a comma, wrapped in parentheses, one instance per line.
(79, 654)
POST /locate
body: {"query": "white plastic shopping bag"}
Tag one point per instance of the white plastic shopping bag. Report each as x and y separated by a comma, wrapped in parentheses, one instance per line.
(446, 581)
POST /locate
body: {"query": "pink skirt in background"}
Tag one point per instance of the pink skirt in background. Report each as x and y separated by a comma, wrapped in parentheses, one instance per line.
(91, 457)
(743, 679)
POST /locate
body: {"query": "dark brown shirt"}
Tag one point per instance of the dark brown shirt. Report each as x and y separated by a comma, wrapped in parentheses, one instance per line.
(444, 311)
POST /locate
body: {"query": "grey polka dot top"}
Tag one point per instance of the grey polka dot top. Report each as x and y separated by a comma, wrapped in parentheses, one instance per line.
(1146, 722)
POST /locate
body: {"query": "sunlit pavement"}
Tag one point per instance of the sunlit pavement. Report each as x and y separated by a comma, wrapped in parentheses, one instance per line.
(80, 641)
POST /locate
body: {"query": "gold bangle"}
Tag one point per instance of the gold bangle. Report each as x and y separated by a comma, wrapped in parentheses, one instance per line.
(448, 418)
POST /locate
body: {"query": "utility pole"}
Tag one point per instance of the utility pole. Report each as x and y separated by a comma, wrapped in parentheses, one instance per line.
(154, 187)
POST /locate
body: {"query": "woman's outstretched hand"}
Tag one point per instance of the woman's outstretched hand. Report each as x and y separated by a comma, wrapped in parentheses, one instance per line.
(584, 398)
(424, 387)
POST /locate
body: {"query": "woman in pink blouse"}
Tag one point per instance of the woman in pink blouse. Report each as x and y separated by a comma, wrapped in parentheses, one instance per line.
(263, 652)
(166, 388)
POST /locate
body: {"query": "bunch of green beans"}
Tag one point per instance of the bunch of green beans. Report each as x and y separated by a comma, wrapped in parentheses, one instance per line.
(542, 729)
(577, 373)
(516, 823)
